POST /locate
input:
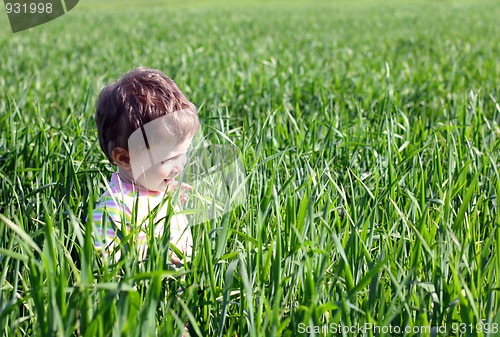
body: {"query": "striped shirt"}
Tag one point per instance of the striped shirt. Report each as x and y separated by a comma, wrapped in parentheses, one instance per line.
(112, 218)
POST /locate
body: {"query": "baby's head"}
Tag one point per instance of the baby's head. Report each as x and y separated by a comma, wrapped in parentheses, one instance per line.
(145, 126)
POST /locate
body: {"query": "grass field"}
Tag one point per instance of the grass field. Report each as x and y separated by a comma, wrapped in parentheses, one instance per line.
(370, 135)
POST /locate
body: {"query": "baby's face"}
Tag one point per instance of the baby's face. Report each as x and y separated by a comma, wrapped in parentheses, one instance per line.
(169, 163)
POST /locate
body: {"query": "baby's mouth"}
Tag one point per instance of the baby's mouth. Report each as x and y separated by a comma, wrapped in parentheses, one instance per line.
(169, 180)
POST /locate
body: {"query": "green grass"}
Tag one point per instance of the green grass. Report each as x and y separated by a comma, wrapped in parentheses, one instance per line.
(370, 135)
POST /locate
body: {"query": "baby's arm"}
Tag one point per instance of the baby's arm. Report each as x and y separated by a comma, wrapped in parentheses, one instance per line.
(107, 219)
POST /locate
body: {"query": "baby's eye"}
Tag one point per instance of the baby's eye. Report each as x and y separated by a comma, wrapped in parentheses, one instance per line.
(166, 161)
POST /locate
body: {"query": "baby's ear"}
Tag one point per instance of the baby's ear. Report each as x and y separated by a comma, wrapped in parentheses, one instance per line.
(121, 158)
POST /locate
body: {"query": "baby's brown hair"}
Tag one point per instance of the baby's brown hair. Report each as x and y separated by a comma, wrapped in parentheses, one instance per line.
(141, 96)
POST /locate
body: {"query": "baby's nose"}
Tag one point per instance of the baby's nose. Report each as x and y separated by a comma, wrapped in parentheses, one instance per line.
(183, 160)
(178, 166)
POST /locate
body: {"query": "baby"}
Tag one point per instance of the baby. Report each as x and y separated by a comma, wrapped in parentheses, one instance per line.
(145, 126)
